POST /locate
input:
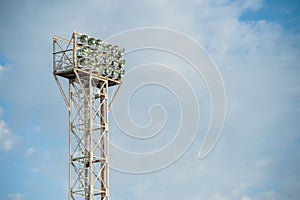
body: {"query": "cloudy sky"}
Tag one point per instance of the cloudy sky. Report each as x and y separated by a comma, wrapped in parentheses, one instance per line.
(254, 44)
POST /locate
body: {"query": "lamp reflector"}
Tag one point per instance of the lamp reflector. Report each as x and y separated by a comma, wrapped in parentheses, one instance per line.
(83, 39)
(122, 73)
(92, 63)
(122, 51)
(122, 64)
(110, 47)
(83, 62)
(84, 51)
(102, 70)
(115, 74)
(93, 54)
(108, 71)
(92, 41)
(98, 42)
(116, 48)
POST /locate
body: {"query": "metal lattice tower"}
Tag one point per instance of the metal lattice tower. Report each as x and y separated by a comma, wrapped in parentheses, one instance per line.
(92, 67)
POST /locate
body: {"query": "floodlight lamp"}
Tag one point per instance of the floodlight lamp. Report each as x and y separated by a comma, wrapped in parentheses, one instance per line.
(99, 55)
(92, 62)
(92, 41)
(84, 51)
(115, 64)
(108, 71)
(102, 70)
(98, 42)
(122, 73)
(110, 47)
(122, 63)
(98, 61)
(83, 39)
(99, 69)
(103, 54)
(83, 62)
(111, 58)
(115, 74)
(93, 54)
(97, 93)
(105, 47)
(116, 48)
(121, 52)
(106, 60)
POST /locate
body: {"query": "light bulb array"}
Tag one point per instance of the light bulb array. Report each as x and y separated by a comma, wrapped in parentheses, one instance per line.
(100, 57)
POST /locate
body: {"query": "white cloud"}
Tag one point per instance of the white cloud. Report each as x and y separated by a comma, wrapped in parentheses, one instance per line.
(3, 69)
(252, 4)
(15, 196)
(30, 151)
(246, 197)
(7, 138)
(239, 190)
(35, 170)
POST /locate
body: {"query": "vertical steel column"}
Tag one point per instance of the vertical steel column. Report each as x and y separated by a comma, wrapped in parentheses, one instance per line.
(86, 108)
(70, 140)
(88, 139)
(103, 123)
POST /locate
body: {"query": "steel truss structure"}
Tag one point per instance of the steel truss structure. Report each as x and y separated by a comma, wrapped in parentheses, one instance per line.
(88, 105)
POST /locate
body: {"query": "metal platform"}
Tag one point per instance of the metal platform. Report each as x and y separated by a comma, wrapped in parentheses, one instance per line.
(70, 74)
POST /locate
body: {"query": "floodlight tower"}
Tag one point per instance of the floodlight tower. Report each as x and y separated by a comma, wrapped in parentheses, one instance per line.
(91, 66)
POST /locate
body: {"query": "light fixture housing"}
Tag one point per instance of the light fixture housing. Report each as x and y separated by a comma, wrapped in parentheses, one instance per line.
(102, 58)
(83, 39)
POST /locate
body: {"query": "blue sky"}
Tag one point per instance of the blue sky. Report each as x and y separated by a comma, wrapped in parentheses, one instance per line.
(255, 45)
